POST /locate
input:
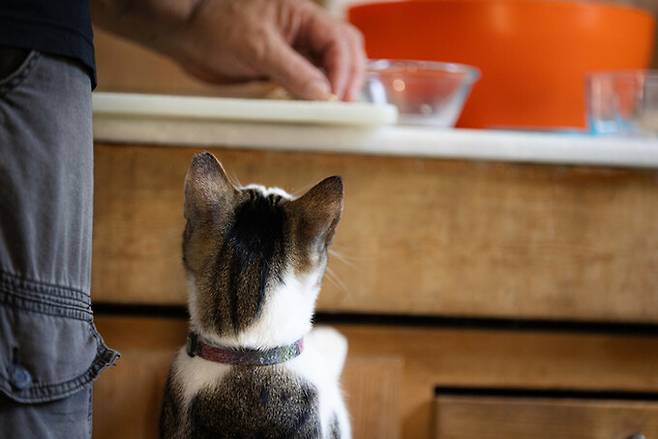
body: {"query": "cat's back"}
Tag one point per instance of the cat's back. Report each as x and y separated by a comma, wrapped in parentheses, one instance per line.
(256, 402)
(247, 402)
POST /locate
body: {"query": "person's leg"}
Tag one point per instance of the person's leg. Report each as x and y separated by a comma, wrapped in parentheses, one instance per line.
(50, 351)
(63, 418)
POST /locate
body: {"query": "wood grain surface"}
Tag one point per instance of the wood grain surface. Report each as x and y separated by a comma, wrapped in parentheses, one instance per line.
(496, 418)
(391, 371)
(418, 236)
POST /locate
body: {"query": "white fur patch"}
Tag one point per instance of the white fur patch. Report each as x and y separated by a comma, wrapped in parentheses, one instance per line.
(268, 190)
(195, 374)
(321, 363)
(285, 317)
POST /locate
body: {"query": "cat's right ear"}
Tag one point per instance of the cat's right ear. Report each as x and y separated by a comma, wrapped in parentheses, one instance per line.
(208, 189)
(318, 211)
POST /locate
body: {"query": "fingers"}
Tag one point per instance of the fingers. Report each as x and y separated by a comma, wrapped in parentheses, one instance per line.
(276, 49)
(340, 47)
(291, 70)
(357, 65)
(335, 61)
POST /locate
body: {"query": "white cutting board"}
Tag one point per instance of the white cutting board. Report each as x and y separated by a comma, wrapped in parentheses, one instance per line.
(265, 110)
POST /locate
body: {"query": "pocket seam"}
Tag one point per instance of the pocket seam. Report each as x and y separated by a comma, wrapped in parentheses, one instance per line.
(46, 392)
(43, 298)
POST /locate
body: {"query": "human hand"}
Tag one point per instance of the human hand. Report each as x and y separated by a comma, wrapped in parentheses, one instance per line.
(295, 43)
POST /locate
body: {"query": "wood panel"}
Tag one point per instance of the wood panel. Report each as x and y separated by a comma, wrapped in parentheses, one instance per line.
(495, 418)
(391, 371)
(372, 390)
(128, 396)
(502, 359)
(418, 236)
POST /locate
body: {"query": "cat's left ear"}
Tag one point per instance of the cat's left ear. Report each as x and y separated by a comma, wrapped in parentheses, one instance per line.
(318, 211)
(208, 189)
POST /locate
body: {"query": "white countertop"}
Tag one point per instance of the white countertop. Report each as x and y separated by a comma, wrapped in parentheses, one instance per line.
(182, 129)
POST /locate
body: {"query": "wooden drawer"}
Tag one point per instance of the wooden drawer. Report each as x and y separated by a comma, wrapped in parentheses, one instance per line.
(487, 417)
(391, 371)
(418, 236)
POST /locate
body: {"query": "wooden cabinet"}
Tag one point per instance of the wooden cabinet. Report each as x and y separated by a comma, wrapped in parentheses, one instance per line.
(418, 236)
(392, 371)
(437, 261)
(485, 417)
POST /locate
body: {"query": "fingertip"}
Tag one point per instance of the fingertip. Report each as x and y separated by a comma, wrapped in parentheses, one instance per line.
(357, 83)
(337, 65)
(353, 94)
(358, 71)
(295, 73)
(317, 90)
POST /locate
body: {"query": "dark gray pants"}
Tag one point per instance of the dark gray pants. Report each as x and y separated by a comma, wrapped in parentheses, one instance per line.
(50, 351)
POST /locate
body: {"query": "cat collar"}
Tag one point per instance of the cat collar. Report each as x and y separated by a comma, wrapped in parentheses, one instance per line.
(197, 346)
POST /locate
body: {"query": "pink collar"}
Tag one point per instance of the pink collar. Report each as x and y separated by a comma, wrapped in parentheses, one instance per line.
(197, 346)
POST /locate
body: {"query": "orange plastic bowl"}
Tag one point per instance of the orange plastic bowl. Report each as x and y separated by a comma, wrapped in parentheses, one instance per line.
(534, 54)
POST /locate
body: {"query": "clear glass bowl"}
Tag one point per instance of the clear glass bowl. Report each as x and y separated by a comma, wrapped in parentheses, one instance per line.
(623, 103)
(425, 92)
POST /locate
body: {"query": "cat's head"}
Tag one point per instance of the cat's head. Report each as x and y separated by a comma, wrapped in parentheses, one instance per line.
(254, 256)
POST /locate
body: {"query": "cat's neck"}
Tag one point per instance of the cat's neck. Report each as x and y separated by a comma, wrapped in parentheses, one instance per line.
(285, 318)
(252, 338)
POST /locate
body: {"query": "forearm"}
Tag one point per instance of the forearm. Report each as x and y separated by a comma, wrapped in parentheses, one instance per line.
(151, 23)
(240, 40)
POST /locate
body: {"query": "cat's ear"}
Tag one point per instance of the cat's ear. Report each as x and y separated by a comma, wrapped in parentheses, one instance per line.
(208, 189)
(318, 211)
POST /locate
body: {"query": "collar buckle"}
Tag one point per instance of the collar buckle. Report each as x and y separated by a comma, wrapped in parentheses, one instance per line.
(191, 344)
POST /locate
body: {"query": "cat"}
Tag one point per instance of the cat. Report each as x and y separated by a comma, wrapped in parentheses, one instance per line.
(253, 368)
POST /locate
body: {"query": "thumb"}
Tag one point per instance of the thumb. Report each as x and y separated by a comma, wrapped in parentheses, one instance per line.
(294, 72)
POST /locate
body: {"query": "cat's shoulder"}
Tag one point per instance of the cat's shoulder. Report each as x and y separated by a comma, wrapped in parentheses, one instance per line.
(223, 398)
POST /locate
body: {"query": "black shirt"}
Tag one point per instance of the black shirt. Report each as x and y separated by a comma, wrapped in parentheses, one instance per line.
(60, 27)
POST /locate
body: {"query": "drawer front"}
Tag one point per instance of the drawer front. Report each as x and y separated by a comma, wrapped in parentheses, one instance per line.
(390, 374)
(417, 236)
(470, 417)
